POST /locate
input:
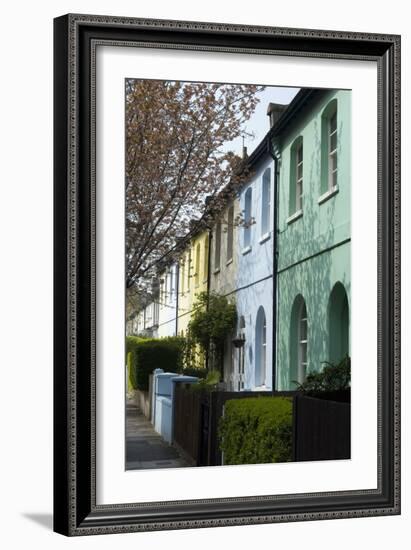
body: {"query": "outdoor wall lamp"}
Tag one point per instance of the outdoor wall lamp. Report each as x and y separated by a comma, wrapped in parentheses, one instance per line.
(239, 341)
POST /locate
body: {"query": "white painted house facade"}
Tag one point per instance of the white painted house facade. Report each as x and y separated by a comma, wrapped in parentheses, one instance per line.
(168, 297)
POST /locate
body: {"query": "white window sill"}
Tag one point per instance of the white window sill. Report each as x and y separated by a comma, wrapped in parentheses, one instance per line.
(328, 194)
(264, 237)
(216, 271)
(246, 250)
(294, 217)
(228, 262)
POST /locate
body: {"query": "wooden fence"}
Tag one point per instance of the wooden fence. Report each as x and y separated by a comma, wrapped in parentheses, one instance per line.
(188, 423)
(196, 417)
(321, 429)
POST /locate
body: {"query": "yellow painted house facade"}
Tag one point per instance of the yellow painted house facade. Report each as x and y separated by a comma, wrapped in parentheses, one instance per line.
(193, 278)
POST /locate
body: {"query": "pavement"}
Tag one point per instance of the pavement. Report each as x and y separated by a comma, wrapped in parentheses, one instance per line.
(145, 448)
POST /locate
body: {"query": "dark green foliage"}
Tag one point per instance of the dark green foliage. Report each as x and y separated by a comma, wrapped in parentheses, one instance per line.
(256, 430)
(213, 319)
(129, 384)
(209, 383)
(131, 346)
(193, 371)
(148, 354)
(332, 378)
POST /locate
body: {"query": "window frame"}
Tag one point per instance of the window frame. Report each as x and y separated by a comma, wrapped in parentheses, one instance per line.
(188, 270)
(332, 153)
(327, 187)
(299, 181)
(171, 285)
(217, 247)
(230, 234)
(248, 206)
(260, 374)
(295, 208)
(183, 274)
(197, 266)
(302, 366)
(205, 259)
(266, 203)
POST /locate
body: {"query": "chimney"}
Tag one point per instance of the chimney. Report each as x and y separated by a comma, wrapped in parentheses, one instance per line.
(274, 112)
(192, 224)
(245, 155)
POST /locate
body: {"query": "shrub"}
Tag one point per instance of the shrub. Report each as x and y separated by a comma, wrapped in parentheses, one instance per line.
(208, 383)
(194, 371)
(332, 378)
(256, 430)
(213, 318)
(129, 360)
(153, 353)
(131, 346)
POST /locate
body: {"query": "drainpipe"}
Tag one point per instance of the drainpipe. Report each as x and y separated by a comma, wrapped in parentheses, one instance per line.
(210, 233)
(177, 286)
(275, 260)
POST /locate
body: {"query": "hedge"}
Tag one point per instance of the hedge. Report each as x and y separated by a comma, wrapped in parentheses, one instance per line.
(132, 343)
(256, 430)
(129, 359)
(148, 354)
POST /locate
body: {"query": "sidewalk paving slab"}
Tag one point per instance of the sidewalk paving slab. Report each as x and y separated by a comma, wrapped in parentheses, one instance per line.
(145, 448)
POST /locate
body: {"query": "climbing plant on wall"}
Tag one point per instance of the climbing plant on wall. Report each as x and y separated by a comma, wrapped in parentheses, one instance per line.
(213, 319)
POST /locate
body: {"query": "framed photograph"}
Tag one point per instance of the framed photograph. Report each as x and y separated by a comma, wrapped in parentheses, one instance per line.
(227, 276)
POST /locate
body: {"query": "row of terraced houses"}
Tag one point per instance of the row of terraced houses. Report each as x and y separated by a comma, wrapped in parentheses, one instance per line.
(288, 271)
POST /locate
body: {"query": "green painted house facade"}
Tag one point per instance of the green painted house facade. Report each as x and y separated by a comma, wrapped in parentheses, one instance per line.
(313, 149)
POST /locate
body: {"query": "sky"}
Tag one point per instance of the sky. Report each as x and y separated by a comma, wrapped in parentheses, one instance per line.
(259, 122)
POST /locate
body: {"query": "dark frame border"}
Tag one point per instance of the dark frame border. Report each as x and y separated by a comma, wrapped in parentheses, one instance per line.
(75, 40)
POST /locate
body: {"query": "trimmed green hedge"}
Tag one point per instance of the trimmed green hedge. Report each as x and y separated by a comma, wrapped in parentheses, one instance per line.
(148, 354)
(132, 343)
(256, 430)
(129, 384)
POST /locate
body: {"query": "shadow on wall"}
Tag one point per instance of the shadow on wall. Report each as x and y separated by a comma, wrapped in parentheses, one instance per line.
(311, 282)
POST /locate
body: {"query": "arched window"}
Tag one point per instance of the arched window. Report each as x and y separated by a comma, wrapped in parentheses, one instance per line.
(298, 341)
(260, 348)
(266, 202)
(296, 176)
(247, 217)
(329, 148)
(338, 324)
(197, 266)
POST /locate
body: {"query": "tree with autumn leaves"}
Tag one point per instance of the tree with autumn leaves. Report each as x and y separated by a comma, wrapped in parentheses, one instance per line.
(177, 165)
